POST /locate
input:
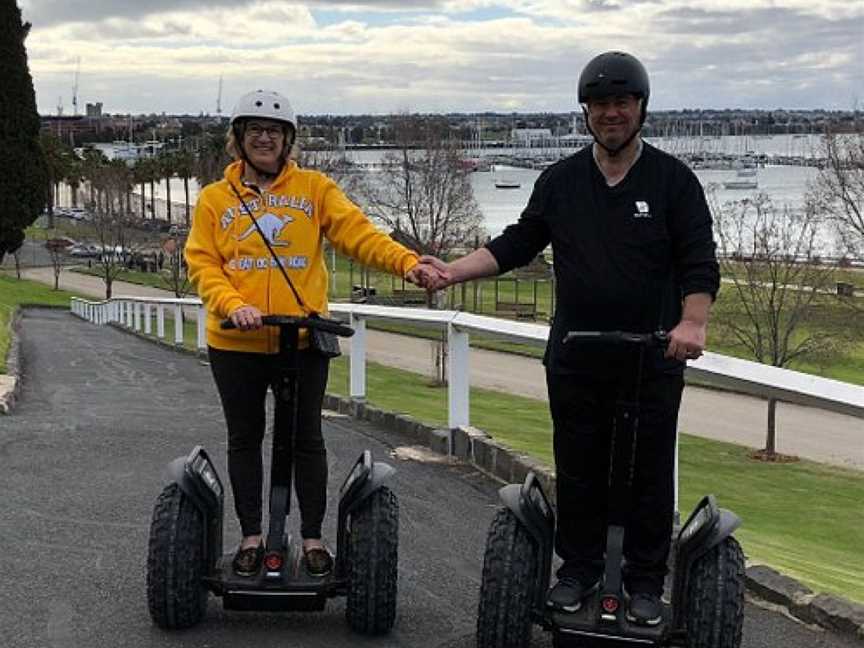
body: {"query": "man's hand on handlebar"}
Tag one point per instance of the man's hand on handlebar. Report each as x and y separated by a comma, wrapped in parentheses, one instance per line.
(246, 318)
(686, 341)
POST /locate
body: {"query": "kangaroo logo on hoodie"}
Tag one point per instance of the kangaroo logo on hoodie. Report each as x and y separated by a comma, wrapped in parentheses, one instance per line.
(272, 226)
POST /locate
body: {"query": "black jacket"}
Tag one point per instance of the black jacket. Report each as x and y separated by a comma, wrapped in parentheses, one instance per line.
(624, 256)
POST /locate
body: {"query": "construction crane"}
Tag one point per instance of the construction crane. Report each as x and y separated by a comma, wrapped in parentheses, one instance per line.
(75, 87)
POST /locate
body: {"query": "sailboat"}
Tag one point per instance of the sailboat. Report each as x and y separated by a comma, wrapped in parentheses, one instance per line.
(505, 183)
(745, 178)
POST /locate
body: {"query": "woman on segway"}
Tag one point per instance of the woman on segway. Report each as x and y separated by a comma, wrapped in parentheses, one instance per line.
(237, 278)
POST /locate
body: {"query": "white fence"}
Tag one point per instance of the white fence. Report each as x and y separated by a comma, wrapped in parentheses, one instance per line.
(138, 313)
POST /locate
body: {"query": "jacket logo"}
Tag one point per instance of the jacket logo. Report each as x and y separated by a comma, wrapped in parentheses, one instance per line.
(272, 226)
(642, 210)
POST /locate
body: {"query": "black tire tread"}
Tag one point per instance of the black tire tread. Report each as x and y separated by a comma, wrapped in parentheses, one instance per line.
(373, 552)
(715, 597)
(507, 586)
(175, 593)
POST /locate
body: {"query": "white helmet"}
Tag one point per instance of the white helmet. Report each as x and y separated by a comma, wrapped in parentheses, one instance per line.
(264, 104)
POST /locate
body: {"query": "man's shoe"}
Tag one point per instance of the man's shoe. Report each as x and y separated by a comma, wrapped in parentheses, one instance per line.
(568, 594)
(645, 609)
(319, 562)
(247, 561)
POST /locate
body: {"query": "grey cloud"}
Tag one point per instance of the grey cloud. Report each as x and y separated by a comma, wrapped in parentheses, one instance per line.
(47, 13)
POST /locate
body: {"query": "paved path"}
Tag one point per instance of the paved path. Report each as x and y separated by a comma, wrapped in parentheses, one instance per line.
(81, 462)
(804, 431)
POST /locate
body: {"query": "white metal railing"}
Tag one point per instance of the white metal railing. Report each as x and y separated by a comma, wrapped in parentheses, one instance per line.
(716, 370)
(712, 368)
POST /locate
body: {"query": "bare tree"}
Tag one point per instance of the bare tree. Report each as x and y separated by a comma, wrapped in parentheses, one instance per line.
(838, 190)
(17, 256)
(57, 251)
(174, 271)
(114, 229)
(424, 190)
(771, 258)
(423, 193)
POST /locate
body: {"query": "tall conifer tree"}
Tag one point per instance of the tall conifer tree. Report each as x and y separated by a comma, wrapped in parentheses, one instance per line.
(23, 176)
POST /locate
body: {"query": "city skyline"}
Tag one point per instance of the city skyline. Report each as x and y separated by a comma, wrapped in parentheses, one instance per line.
(436, 56)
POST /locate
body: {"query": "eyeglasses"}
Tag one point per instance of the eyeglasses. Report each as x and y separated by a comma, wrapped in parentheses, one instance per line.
(255, 131)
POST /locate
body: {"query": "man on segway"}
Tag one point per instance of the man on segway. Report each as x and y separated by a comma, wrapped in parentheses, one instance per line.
(631, 235)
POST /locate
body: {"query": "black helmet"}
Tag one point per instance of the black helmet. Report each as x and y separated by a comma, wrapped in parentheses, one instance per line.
(614, 73)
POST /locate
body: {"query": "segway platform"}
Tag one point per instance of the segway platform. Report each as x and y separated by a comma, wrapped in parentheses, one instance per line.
(293, 588)
(572, 628)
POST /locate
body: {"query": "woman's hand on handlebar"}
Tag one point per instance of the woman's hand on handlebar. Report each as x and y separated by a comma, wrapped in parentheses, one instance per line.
(246, 318)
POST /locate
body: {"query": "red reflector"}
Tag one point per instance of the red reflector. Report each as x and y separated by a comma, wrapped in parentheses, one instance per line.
(609, 604)
(273, 561)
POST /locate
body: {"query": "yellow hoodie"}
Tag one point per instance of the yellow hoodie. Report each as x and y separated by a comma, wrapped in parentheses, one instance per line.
(231, 266)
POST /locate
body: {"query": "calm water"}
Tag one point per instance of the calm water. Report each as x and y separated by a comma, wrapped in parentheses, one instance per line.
(786, 185)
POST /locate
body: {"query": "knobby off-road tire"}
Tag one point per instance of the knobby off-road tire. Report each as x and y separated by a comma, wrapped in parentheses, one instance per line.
(715, 597)
(373, 552)
(175, 562)
(507, 588)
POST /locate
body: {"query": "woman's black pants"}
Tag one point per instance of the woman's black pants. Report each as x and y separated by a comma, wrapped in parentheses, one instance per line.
(582, 408)
(243, 380)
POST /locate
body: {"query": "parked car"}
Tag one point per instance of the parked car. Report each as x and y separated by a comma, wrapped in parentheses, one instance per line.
(85, 250)
(60, 243)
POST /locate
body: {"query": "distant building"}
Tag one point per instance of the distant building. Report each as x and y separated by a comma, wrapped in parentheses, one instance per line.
(68, 128)
(527, 136)
(94, 110)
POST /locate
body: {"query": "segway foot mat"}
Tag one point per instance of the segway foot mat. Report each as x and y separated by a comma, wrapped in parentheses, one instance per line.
(572, 628)
(293, 589)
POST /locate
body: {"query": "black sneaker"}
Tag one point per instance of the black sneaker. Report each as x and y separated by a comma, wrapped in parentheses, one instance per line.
(247, 561)
(645, 609)
(568, 594)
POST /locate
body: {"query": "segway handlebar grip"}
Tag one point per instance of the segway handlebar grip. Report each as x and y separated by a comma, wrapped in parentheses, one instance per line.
(314, 322)
(656, 339)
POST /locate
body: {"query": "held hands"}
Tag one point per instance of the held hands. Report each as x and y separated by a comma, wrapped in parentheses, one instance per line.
(246, 318)
(686, 341)
(431, 273)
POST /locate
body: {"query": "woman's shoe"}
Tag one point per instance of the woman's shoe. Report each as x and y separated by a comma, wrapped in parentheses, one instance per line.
(319, 562)
(247, 561)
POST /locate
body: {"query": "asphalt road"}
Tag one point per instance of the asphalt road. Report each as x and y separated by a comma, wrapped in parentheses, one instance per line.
(82, 460)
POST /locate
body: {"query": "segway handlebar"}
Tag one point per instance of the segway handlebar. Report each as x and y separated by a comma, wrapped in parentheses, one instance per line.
(656, 339)
(314, 322)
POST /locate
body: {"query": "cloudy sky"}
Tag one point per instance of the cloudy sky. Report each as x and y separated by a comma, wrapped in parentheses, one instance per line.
(383, 56)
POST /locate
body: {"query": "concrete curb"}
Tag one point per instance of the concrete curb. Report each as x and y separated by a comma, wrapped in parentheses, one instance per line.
(475, 447)
(10, 383)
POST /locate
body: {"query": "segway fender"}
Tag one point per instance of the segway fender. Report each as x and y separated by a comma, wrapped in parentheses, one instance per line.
(181, 472)
(724, 528)
(379, 474)
(529, 505)
(511, 497)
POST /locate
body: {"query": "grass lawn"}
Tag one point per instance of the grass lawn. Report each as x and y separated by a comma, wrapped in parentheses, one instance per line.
(802, 518)
(150, 279)
(14, 292)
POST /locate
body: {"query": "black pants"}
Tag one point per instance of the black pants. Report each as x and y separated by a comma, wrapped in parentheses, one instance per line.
(582, 408)
(242, 380)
